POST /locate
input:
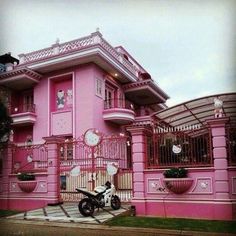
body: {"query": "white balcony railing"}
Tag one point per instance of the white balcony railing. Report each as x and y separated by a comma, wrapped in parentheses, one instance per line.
(76, 45)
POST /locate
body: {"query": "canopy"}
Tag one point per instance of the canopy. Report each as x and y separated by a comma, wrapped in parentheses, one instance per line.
(196, 112)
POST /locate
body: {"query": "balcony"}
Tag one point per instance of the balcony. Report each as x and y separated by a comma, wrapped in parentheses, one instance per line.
(118, 111)
(23, 114)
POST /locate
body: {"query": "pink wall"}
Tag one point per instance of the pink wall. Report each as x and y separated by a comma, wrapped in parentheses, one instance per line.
(41, 102)
(27, 201)
(89, 107)
(21, 133)
(98, 122)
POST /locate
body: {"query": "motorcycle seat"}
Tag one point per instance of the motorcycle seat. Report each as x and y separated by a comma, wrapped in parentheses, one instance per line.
(86, 192)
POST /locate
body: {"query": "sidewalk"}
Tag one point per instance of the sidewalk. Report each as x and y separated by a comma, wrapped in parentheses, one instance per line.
(69, 212)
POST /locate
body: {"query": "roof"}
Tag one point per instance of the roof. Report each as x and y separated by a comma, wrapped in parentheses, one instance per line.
(197, 111)
(7, 58)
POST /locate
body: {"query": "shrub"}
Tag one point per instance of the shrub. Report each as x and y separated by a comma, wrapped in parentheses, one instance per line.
(25, 177)
(176, 173)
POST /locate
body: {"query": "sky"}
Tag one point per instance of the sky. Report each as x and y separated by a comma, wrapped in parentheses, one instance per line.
(187, 46)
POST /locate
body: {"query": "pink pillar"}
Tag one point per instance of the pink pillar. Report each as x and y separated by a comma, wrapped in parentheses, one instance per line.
(139, 136)
(53, 181)
(223, 206)
(6, 171)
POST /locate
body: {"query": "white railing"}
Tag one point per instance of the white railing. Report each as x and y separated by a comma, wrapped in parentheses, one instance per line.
(78, 44)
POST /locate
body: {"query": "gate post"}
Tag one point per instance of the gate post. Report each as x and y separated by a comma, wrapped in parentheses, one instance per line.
(53, 180)
(139, 143)
(223, 207)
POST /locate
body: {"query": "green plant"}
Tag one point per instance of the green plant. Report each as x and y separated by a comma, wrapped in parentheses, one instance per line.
(176, 173)
(25, 176)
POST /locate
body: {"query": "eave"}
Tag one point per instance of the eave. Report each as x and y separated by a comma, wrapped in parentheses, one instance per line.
(18, 79)
(145, 93)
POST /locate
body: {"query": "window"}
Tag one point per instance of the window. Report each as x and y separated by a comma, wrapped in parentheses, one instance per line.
(109, 97)
(28, 101)
(99, 87)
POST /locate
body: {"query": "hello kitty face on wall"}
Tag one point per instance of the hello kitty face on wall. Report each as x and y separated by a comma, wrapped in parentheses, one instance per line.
(69, 97)
(60, 99)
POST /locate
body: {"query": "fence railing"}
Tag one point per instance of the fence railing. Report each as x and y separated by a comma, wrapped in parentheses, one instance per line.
(231, 145)
(22, 108)
(113, 153)
(29, 158)
(118, 103)
(179, 149)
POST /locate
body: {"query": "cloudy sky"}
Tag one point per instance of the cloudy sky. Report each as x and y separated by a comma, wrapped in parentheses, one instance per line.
(188, 46)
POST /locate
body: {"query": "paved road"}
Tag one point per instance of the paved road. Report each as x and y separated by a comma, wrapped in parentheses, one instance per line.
(10, 227)
(65, 220)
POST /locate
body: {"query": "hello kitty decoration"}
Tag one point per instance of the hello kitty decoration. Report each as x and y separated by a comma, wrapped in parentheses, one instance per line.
(60, 99)
(112, 168)
(218, 104)
(176, 149)
(69, 97)
(64, 98)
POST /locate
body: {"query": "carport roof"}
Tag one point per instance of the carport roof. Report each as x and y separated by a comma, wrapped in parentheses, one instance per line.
(197, 111)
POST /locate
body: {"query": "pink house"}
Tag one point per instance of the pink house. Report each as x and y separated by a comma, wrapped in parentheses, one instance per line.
(55, 95)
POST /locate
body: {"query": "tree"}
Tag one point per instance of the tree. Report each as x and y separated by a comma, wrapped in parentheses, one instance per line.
(5, 123)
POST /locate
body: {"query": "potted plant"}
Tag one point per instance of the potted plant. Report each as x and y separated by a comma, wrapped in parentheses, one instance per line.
(27, 182)
(176, 180)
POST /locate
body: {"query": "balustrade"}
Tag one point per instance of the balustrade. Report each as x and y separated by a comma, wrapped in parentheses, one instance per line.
(78, 44)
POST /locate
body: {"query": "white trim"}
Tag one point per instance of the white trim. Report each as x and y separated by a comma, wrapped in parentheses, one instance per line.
(157, 191)
(77, 55)
(119, 115)
(101, 80)
(195, 185)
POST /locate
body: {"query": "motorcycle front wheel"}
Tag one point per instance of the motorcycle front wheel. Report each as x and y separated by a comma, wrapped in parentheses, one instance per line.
(115, 202)
(86, 207)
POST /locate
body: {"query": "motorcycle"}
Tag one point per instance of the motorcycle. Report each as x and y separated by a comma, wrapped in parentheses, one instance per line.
(101, 197)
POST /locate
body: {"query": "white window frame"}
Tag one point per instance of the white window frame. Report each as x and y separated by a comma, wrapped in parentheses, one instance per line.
(99, 87)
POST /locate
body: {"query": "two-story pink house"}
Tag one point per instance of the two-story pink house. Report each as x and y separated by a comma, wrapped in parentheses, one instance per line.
(55, 95)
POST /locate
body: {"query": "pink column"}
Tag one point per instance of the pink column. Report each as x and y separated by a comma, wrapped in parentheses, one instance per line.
(53, 181)
(223, 206)
(6, 171)
(139, 135)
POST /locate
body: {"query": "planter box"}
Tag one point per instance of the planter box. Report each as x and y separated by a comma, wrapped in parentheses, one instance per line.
(27, 186)
(178, 185)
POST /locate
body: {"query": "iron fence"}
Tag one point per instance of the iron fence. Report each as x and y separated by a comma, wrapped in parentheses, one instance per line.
(29, 157)
(231, 145)
(92, 163)
(179, 149)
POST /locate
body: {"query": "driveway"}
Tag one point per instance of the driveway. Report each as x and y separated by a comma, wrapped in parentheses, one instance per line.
(68, 212)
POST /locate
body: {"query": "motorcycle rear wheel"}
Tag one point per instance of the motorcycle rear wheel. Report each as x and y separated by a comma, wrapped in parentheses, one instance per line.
(115, 202)
(86, 207)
